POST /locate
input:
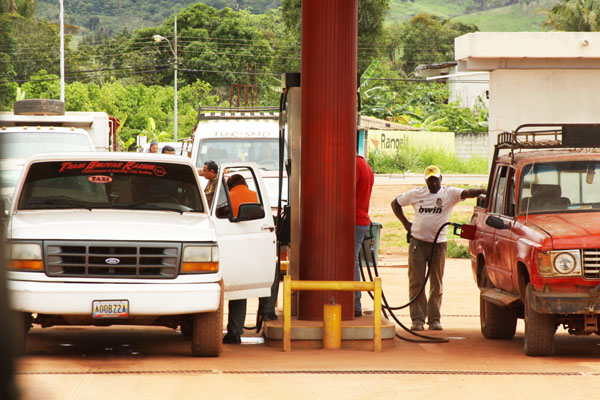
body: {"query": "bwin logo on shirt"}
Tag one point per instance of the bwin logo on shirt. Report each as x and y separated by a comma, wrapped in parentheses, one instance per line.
(430, 210)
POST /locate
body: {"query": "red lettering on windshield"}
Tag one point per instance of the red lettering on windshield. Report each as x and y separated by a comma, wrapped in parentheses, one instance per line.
(102, 167)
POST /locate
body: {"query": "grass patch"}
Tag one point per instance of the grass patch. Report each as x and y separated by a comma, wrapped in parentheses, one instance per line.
(411, 158)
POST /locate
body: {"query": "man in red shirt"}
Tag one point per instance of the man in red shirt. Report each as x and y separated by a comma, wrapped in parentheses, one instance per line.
(364, 186)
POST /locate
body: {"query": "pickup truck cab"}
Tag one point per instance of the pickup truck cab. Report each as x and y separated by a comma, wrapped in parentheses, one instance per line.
(536, 254)
(128, 238)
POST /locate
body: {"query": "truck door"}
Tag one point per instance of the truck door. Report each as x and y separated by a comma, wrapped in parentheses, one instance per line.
(503, 206)
(246, 248)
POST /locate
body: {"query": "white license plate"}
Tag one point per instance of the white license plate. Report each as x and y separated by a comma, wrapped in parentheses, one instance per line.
(110, 308)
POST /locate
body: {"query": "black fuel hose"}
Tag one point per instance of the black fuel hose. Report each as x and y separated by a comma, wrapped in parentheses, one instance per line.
(386, 308)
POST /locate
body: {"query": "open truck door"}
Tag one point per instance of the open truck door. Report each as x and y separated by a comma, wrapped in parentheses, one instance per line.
(247, 242)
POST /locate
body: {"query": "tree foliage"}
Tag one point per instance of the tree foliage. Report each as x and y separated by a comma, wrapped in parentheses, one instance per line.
(371, 15)
(574, 16)
(425, 39)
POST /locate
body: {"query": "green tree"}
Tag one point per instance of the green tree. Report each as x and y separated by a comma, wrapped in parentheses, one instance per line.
(371, 15)
(8, 88)
(425, 39)
(574, 16)
(42, 85)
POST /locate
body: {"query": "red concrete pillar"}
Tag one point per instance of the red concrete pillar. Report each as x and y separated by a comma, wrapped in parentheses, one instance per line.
(327, 205)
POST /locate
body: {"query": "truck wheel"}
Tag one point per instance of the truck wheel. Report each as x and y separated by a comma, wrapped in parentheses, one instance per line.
(39, 107)
(496, 322)
(539, 331)
(207, 329)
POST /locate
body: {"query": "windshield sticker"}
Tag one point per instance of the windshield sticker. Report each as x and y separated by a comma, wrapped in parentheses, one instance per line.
(243, 134)
(100, 179)
(119, 167)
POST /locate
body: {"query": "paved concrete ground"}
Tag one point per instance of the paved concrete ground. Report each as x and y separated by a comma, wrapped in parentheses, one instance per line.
(154, 363)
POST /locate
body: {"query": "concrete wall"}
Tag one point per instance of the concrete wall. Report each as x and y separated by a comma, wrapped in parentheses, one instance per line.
(464, 145)
(470, 144)
(519, 96)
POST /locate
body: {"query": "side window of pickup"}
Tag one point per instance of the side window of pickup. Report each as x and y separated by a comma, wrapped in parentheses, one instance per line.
(503, 193)
(238, 187)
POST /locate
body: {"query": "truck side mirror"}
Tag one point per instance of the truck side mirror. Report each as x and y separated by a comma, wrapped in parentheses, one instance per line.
(249, 212)
(495, 222)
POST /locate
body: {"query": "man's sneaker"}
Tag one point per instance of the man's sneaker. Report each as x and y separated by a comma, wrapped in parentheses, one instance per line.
(417, 326)
(435, 326)
(357, 313)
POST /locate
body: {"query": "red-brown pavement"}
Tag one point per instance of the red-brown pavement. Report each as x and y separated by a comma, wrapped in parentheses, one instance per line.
(78, 363)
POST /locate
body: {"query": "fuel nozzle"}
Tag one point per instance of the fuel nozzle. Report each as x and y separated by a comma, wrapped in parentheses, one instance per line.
(465, 231)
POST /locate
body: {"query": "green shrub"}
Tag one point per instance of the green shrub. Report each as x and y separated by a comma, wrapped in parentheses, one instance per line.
(457, 250)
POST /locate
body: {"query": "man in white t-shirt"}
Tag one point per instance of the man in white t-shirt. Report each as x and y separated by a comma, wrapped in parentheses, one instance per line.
(433, 205)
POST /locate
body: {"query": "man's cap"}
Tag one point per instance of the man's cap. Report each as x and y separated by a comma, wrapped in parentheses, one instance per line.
(432, 170)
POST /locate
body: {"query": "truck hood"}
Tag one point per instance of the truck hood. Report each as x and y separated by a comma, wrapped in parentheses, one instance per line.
(582, 228)
(139, 225)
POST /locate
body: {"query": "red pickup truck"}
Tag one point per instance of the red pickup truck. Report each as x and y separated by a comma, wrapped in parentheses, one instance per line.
(536, 253)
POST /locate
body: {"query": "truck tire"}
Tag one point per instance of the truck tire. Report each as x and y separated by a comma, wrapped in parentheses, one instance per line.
(39, 107)
(539, 331)
(496, 322)
(207, 329)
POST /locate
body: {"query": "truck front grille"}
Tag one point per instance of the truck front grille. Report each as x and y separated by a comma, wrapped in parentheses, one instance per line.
(112, 259)
(591, 263)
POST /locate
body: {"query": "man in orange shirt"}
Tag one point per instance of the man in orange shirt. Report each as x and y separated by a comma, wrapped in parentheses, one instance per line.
(238, 194)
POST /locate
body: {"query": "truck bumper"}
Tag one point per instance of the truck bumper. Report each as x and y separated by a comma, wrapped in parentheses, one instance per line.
(565, 303)
(144, 299)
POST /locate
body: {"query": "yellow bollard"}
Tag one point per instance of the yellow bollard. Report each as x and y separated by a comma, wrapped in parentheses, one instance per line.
(332, 325)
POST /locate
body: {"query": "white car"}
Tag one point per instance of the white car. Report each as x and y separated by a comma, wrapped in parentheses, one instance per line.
(128, 238)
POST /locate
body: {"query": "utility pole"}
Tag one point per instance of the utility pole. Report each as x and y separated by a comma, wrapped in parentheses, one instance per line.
(62, 51)
(175, 54)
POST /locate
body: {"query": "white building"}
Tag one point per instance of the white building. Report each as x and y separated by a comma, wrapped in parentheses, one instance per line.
(535, 77)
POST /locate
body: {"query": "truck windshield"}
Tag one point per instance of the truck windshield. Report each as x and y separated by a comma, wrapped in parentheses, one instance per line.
(560, 187)
(264, 152)
(136, 185)
(25, 144)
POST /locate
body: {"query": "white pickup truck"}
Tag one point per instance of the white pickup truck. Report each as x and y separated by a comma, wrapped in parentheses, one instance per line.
(128, 238)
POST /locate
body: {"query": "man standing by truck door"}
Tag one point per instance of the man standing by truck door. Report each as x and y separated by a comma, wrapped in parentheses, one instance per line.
(364, 186)
(210, 171)
(238, 194)
(433, 205)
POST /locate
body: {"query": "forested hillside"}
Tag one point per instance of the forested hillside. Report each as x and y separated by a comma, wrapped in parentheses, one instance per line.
(112, 16)
(488, 15)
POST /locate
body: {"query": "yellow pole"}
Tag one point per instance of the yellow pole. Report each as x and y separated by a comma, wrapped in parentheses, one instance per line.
(287, 313)
(377, 315)
(332, 326)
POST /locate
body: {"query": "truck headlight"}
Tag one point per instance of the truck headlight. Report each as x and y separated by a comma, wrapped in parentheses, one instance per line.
(560, 263)
(565, 263)
(199, 259)
(25, 257)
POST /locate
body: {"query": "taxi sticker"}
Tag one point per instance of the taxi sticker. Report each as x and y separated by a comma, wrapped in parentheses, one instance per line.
(100, 179)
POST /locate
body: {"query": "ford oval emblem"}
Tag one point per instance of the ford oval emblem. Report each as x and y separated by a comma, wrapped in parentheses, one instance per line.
(112, 261)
